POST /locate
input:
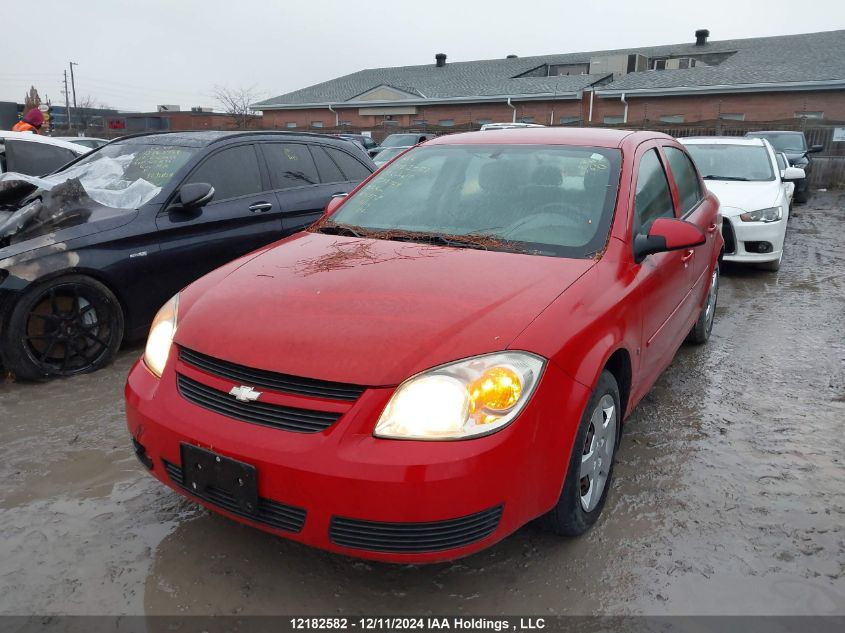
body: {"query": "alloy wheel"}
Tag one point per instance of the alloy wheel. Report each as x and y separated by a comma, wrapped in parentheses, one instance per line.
(597, 454)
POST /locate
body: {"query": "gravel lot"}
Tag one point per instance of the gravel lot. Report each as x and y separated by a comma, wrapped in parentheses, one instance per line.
(729, 496)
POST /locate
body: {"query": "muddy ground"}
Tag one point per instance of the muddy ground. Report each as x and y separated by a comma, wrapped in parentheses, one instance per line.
(729, 495)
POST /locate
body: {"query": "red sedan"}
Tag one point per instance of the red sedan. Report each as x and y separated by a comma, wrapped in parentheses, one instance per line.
(448, 354)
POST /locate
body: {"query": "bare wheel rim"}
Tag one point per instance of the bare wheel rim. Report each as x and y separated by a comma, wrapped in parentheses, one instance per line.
(597, 454)
(69, 328)
(712, 296)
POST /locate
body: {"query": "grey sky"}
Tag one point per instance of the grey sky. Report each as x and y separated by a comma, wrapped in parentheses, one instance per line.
(135, 55)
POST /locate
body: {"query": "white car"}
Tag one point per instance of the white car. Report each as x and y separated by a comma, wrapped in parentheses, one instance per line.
(508, 126)
(91, 142)
(745, 176)
(35, 155)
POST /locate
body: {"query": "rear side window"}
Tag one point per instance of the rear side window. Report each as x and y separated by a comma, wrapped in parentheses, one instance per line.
(329, 171)
(351, 167)
(290, 165)
(35, 159)
(685, 178)
(233, 172)
(653, 199)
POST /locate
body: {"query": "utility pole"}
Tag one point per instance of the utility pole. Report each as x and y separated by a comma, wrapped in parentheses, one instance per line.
(73, 85)
(67, 102)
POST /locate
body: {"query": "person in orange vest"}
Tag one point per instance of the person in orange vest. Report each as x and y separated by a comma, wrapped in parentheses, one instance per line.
(31, 122)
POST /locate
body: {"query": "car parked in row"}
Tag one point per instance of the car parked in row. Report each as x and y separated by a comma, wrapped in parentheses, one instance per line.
(365, 142)
(794, 145)
(34, 155)
(89, 253)
(402, 140)
(754, 193)
(448, 354)
(90, 142)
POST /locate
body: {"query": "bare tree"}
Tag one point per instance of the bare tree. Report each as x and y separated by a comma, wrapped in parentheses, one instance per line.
(236, 103)
(32, 100)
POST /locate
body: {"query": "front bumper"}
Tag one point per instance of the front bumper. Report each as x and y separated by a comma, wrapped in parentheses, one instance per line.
(343, 490)
(754, 232)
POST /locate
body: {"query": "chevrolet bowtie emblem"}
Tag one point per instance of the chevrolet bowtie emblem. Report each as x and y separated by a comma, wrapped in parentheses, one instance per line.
(245, 394)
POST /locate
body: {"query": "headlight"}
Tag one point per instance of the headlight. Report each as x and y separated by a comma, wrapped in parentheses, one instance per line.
(468, 398)
(772, 214)
(161, 336)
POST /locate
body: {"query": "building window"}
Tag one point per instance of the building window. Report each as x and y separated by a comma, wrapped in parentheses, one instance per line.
(420, 123)
(345, 123)
(526, 119)
(290, 125)
(484, 121)
(316, 124)
(732, 116)
(809, 115)
(672, 118)
(570, 120)
(446, 122)
(658, 64)
(614, 120)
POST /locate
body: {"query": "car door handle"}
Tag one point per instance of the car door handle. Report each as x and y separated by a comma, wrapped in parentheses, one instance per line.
(688, 256)
(712, 228)
(260, 207)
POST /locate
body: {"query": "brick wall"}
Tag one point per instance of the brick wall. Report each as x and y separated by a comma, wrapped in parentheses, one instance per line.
(755, 107)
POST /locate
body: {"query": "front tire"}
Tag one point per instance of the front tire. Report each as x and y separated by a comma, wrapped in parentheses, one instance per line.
(700, 332)
(590, 469)
(63, 327)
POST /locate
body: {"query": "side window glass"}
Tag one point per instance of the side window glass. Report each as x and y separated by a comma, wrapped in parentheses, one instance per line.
(35, 159)
(290, 165)
(352, 168)
(781, 161)
(233, 172)
(653, 199)
(329, 172)
(685, 178)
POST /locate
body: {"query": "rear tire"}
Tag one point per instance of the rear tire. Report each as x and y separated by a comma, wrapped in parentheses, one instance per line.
(700, 332)
(590, 471)
(62, 327)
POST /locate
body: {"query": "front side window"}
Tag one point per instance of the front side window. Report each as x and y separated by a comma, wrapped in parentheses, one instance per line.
(35, 159)
(233, 172)
(653, 198)
(546, 200)
(290, 165)
(784, 142)
(686, 179)
(723, 161)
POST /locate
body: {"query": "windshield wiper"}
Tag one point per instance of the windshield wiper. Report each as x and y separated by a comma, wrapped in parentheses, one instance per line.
(715, 177)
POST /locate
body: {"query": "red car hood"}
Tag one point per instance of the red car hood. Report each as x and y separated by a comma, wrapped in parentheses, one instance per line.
(369, 312)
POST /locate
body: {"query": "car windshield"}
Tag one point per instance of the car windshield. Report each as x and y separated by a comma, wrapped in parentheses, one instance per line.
(125, 175)
(388, 154)
(785, 142)
(546, 200)
(732, 162)
(400, 140)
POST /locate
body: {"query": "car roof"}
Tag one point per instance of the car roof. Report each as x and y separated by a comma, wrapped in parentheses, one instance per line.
(587, 137)
(723, 140)
(47, 140)
(203, 138)
(773, 132)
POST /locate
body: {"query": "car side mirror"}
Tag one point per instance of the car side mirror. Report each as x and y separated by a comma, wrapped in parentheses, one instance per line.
(195, 195)
(793, 173)
(815, 148)
(667, 234)
(334, 203)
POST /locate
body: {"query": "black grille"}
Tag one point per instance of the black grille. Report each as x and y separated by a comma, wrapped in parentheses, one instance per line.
(270, 380)
(728, 236)
(414, 537)
(277, 515)
(286, 418)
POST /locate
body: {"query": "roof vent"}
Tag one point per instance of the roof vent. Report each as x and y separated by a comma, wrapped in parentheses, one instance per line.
(440, 59)
(701, 36)
(511, 56)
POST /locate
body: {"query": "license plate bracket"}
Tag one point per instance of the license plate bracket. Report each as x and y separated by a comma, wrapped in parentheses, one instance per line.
(206, 473)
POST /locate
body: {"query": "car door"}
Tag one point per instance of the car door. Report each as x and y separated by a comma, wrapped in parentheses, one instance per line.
(695, 208)
(242, 216)
(664, 279)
